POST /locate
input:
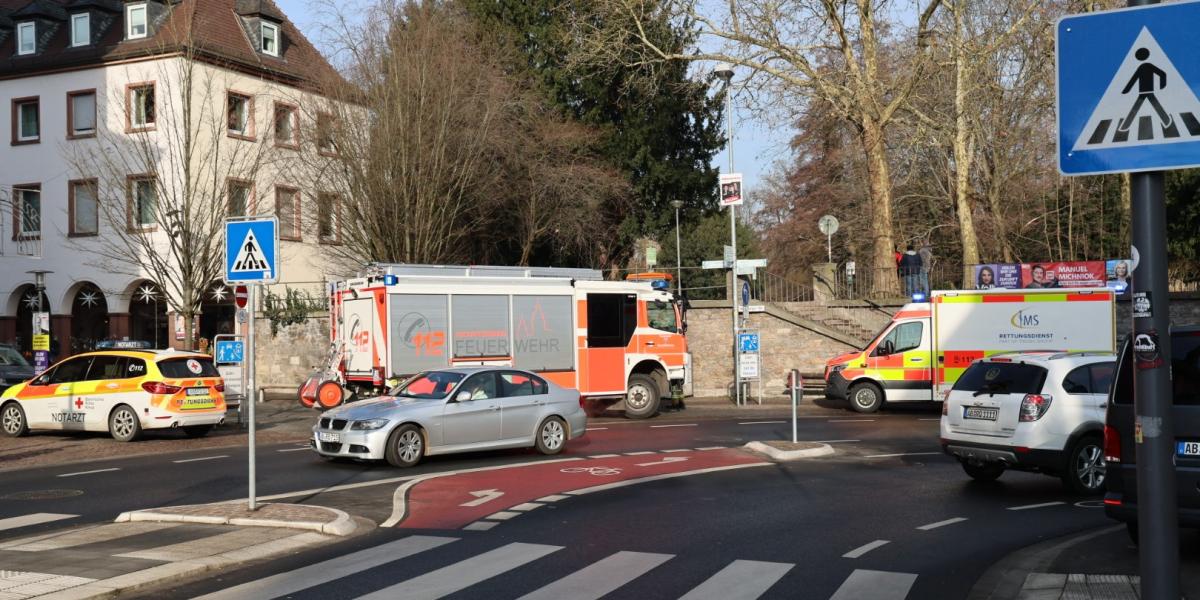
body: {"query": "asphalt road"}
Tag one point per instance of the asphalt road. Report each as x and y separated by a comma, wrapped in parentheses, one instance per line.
(887, 514)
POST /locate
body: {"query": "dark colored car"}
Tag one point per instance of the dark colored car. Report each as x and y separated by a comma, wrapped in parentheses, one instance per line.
(14, 368)
(1120, 502)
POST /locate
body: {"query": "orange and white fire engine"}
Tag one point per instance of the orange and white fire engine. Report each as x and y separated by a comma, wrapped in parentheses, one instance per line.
(614, 341)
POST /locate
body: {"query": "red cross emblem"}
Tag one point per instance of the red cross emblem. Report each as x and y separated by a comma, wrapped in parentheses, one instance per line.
(78, 403)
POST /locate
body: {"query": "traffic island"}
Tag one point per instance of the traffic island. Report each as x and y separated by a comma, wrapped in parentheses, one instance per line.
(784, 451)
(329, 521)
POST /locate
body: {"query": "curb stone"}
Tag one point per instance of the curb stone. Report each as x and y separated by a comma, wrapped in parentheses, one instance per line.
(817, 450)
(341, 525)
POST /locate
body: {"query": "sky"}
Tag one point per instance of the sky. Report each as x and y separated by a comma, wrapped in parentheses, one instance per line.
(756, 145)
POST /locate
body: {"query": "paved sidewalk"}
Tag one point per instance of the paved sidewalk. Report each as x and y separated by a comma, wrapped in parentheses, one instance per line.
(149, 548)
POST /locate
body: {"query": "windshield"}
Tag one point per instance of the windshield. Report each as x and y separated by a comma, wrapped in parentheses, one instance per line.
(434, 385)
(8, 356)
(662, 316)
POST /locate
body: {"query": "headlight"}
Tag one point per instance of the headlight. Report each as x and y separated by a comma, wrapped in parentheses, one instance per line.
(371, 425)
(837, 368)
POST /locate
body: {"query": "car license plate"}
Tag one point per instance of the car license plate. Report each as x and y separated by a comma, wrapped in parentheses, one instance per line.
(197, 391)
(335, 438)
(981, 413)
(1188, 449)
(197, 403)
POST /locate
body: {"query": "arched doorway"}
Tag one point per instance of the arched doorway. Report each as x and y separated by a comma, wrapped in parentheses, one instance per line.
(148, 315)
(27, 305)
(217, 311)
(89, 318)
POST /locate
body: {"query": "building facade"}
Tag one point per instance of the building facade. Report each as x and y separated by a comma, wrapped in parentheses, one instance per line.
(135, 129)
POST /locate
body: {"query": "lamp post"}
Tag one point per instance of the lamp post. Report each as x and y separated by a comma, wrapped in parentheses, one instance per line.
(724, 71)
(41, 358)
(678, 261)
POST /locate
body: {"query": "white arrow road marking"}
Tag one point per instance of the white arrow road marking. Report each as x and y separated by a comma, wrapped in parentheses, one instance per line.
(666, 461)
(483, 497)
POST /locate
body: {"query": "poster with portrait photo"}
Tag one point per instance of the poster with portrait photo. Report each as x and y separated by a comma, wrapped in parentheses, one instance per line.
(1118, 273)
(731, 189)
(1083, 274)
(998, 276)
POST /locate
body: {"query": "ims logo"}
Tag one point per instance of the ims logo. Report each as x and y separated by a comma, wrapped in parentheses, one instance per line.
(1024, 320)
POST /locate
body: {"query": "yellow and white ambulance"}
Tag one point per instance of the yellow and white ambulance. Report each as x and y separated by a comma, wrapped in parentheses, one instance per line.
(922, 352)
(122, 392)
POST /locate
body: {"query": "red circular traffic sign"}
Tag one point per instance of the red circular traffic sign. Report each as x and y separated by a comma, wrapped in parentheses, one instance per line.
(240, 296)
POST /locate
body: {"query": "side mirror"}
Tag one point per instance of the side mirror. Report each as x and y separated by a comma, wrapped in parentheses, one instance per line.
(40, 380)
(462, 396)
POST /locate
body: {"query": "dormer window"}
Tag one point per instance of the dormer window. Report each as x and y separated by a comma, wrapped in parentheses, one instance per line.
(270, 39)
(26, 38)
(81, 30)
(135, 21)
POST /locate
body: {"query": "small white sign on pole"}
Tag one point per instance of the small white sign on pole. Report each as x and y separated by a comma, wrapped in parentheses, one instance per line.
(731, 189)
(748, 365)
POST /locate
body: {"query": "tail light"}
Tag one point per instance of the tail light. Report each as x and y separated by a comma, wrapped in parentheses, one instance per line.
(158, 387)
(220, 387)
(1033, 406)
(1112, 445)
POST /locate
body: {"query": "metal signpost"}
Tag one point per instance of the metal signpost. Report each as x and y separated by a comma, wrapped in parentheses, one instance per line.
(1127, 103)
(229, 354)
(251, 257)
(828, 225)
(737, 267)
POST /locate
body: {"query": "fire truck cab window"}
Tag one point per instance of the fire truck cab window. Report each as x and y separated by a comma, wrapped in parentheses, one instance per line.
(611, 319)
(662, 316)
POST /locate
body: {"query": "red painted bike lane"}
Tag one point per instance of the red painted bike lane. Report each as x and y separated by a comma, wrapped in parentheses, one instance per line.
(456, 500)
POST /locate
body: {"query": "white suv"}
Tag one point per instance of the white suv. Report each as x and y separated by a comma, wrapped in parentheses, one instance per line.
(1033, 411)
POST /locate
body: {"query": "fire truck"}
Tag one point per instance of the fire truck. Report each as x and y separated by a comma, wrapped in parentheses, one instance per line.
(617, 342)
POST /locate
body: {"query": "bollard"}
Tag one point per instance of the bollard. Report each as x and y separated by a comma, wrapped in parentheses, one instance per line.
(796, 383)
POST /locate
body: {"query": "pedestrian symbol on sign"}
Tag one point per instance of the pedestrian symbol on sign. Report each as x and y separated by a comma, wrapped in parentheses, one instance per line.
(1163, 111)
(250, 257)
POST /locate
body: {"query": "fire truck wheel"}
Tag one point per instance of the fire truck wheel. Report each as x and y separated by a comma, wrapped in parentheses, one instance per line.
(866, 397)
(405, 446)
(551, 436)
(642, 399)
(329, 395)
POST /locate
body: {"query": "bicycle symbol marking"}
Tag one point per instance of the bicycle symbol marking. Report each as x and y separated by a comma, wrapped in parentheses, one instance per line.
(596, 471)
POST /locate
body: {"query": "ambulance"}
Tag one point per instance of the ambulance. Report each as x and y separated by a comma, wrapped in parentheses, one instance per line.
(928, 345)
(123, 392)
(614, 341)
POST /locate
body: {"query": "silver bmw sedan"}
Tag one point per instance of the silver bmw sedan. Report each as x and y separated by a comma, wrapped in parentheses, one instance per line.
(453, 410)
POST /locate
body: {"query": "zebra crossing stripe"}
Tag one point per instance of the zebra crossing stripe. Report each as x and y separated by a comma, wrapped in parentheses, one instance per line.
(464, 574)
(324, 572)
(740, 580)
(598, 579)
(875, 585)
(33, 519)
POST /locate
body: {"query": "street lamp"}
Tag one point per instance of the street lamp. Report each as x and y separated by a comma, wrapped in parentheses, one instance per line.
(41, 357)
(678, 261)
(724, 72)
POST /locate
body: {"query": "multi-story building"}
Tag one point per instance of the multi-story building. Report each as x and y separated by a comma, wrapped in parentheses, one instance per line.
(135, 127)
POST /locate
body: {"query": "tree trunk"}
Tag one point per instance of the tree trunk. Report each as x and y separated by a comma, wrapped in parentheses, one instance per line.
(964, 144)
(879, 184)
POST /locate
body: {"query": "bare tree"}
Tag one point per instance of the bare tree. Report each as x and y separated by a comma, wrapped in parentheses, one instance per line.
(159, 169)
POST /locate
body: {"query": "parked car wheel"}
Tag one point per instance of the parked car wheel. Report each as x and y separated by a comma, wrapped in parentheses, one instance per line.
(1085, 470)
(197, 431)
(12, 420)
(124, 424)
(405, 446)
(642, 397)
(866, 397)
(983, 471)
(551, 436)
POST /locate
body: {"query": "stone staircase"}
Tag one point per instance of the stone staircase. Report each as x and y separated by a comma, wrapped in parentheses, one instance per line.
(860, 323)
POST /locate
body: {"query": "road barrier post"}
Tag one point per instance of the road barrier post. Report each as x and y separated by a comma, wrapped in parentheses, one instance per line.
(796, 383)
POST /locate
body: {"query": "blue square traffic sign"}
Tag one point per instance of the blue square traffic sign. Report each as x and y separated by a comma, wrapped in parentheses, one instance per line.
(748, 342)
(230, 351)
(1127, 82)
(251, 250)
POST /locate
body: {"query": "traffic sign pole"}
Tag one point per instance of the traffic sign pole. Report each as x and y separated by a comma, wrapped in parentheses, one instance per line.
(251, 395)
(1154, 442)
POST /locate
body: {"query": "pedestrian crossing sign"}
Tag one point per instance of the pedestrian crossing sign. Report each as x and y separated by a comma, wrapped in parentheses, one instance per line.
(1127, 82)
(251, 250)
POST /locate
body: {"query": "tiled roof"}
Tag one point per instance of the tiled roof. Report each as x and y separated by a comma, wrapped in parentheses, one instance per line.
(213, 28)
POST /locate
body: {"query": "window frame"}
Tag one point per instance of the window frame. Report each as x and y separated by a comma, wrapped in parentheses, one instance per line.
(129, 10)
(19, 189)
(17, 103)
(230, 182)
(336, 215)
(294, 113)
(262, 38)
(71, 133)
(30, 26)
(72, 211)
(248, 133)
(131, 224)
(87, 18)
(295, 233)
(131, 90)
